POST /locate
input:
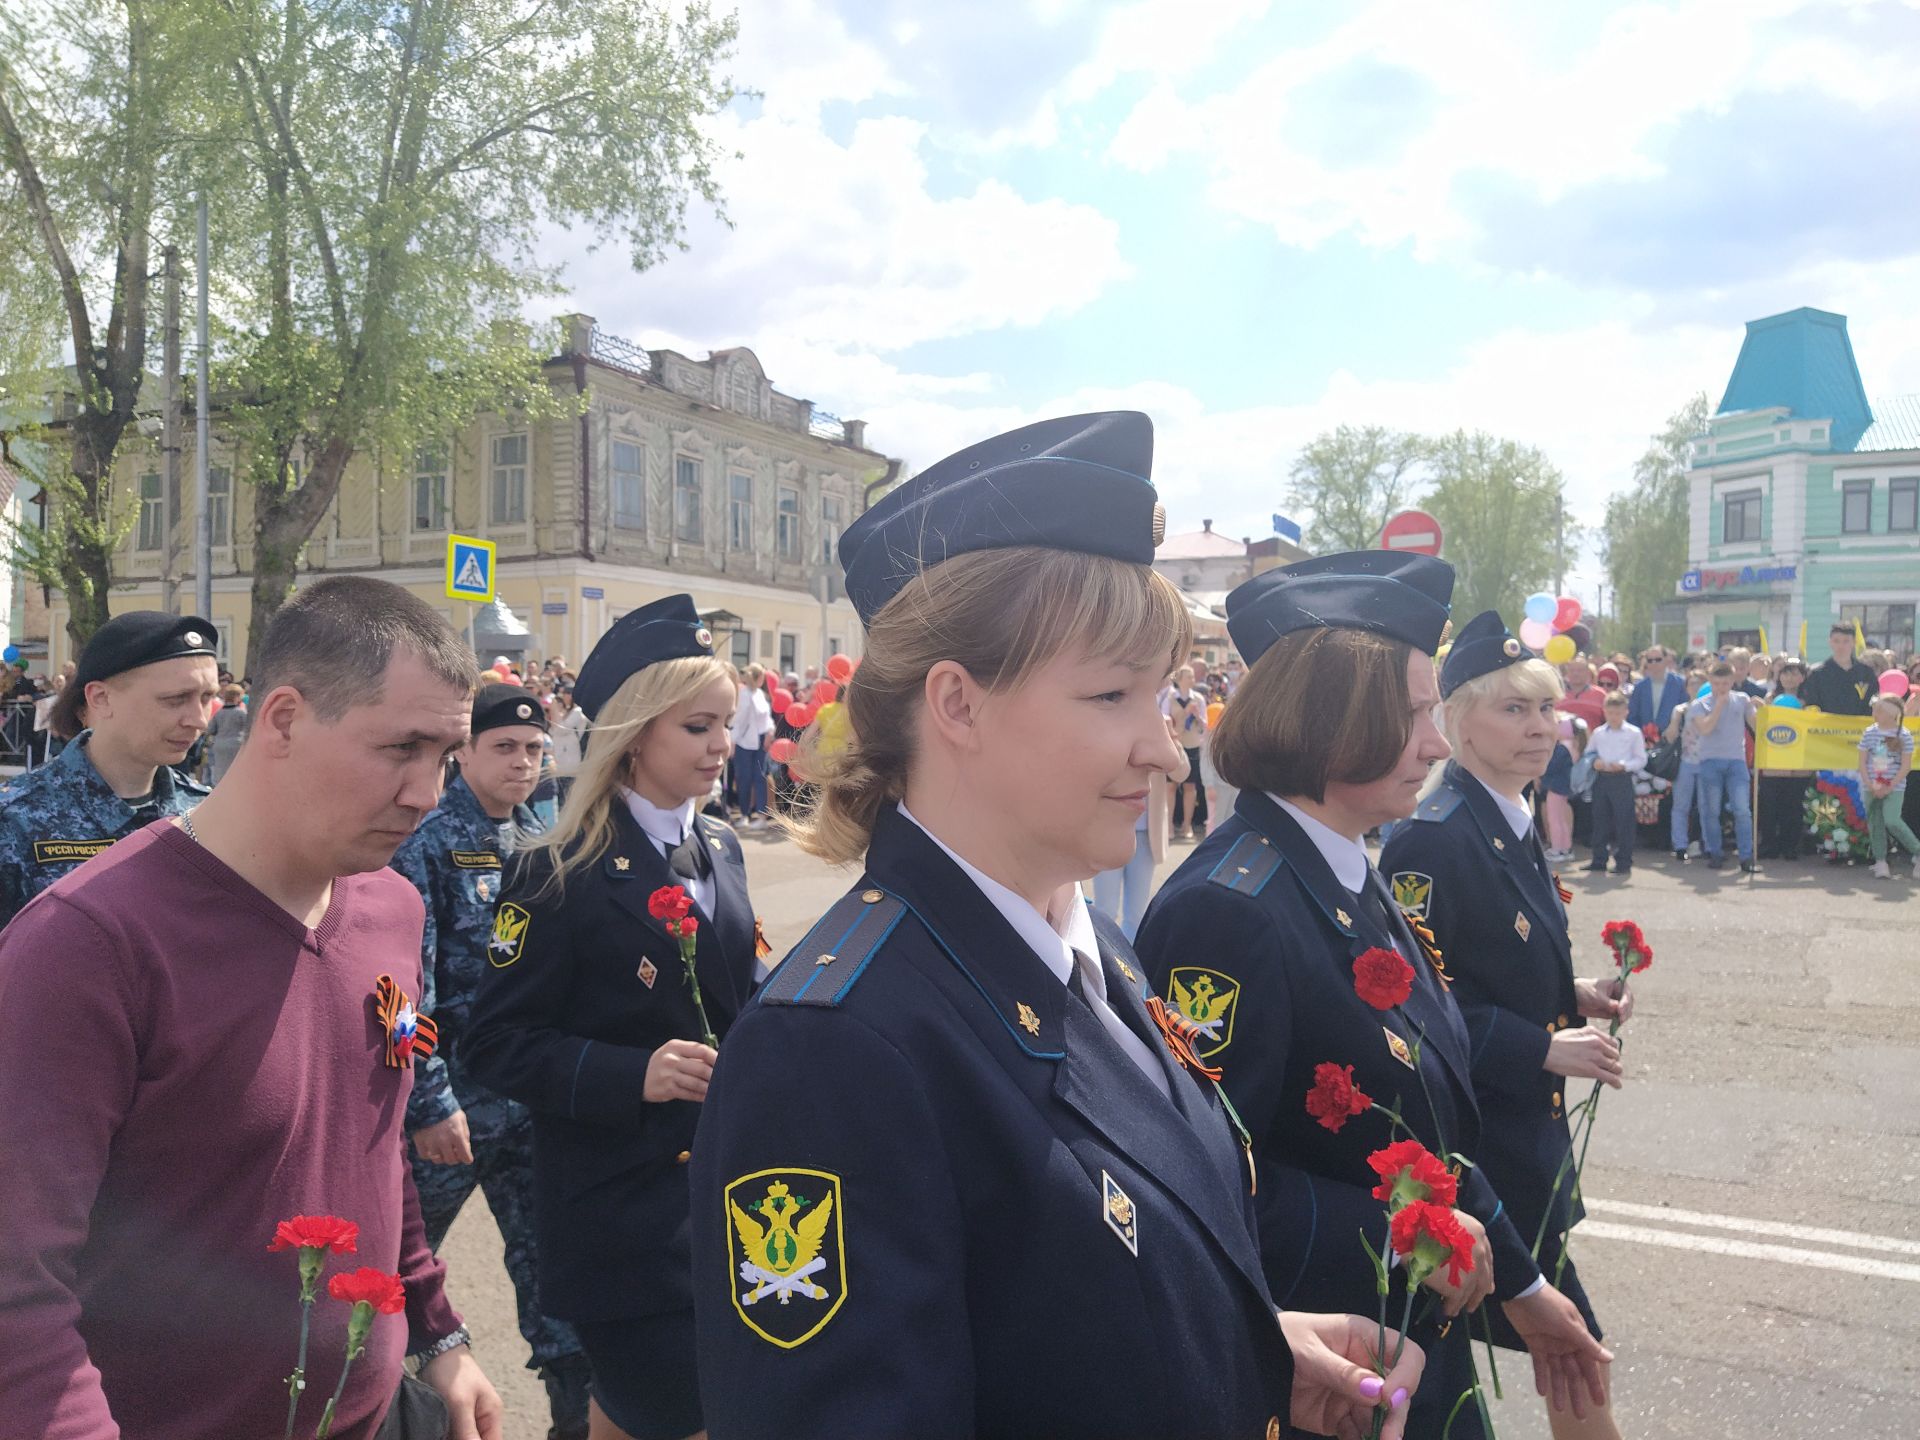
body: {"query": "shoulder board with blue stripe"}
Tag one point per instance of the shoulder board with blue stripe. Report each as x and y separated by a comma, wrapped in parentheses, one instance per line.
(1439, 805)
(1248, 866)
(825, 965)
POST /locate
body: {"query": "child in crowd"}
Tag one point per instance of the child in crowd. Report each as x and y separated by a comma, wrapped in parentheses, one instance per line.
(1620, 753)
(1783, 798)
(1886, 755)
(1557, 786)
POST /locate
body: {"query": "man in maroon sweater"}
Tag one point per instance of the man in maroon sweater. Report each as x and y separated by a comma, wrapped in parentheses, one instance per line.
(207, 1030)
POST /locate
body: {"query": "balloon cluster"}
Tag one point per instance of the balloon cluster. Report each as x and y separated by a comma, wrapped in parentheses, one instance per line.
(819, 707)
(1553, 628)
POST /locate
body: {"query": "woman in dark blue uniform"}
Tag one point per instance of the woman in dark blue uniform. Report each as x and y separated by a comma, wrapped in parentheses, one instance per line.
(1471, 868)
(587, 1017)
(951, 1180)
(1256, 936)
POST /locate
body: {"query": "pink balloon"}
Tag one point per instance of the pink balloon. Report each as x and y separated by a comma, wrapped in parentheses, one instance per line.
(825, 692)
(782, 750)
(1567, 613)
(840, 668)
(799, 716)
(780, 700)
(1534, 634)
(1894, 682)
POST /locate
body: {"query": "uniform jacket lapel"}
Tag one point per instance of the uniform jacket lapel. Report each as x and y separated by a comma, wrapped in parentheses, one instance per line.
(635, 868)
(1518, 861)
(1093, 1076)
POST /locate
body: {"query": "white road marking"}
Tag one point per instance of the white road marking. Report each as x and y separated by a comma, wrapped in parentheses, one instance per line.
(1739, 1224)
(1748, 1250)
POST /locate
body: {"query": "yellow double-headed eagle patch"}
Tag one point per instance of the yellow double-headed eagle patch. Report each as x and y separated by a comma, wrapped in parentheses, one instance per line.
(1210, 999)
(787, 1263)
(509, 935)
(1411, 892)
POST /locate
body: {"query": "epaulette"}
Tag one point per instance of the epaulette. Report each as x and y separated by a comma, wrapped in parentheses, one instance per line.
(823, 967)
(1248, 866)
(1439, 805)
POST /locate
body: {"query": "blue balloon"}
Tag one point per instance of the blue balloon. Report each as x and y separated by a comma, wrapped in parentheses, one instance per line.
(10, 654)
(1788, 702)
(1542, 607)
(1703, 692)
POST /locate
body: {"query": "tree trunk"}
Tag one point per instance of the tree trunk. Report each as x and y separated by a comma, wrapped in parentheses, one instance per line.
(86, 556)
(283, 522)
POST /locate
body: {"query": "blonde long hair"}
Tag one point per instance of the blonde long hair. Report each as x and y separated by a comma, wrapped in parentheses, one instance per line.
(1531, 679)
(583, 832)
(997, 613)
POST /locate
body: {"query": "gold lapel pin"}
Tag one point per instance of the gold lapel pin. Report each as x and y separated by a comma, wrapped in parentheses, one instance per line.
(620, 862)
(1029, 1021)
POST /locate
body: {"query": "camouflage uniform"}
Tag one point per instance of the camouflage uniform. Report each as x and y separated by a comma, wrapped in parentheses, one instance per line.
(54, 818)
(454, 860)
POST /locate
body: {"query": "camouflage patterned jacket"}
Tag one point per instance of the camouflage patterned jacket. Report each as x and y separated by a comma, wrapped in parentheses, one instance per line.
(55, 817)
(454, 861)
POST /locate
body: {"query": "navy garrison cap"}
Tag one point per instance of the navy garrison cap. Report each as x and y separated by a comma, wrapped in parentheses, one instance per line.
(142, 637)
(1387, 592)
(1483, 645)
(668, 629)
(1075, 483)
(497, 706)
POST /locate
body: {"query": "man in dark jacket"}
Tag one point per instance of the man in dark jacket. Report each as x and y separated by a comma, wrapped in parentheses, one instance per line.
(1841, 685)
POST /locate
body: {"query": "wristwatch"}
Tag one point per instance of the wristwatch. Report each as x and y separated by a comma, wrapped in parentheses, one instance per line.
(447, 1342)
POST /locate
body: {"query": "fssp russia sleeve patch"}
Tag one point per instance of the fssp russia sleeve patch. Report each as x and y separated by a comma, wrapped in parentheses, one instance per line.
(788, 1266)
(509, 935)
(1209, 999)
(475, 859)
(1411, 892)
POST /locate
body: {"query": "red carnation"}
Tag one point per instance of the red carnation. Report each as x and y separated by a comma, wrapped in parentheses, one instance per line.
(669, 902)
(1410, 1173)
(1334, 1098)
(316, 1232)
(683, 928)
(368, 1286)
(1623, 937)
(1382, 978)
(1428, 1236)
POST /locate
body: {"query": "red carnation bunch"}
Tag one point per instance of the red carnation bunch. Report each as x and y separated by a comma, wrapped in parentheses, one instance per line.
(1428, 1236)
(673, 908)
(670, 902)
(1382, 978)
(316, 1232)
(1410, 1173)
(1334, 1098)
(1623, 937)
(368, 1286)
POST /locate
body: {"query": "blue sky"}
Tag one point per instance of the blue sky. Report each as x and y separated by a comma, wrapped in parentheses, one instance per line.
(1256, 220)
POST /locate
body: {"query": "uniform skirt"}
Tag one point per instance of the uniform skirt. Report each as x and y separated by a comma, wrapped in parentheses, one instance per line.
(643, 1373)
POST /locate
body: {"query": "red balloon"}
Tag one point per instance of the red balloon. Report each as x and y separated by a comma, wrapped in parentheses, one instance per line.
(780, 700)
(799, 716)
(794, 774)
(1566, 613)
(782, 750)
(840, 667)
(825, 692)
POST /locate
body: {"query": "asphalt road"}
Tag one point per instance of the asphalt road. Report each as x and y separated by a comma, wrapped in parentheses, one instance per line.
(1753, 1240)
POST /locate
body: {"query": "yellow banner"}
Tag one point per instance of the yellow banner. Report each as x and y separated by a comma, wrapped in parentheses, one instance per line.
(1790, 739)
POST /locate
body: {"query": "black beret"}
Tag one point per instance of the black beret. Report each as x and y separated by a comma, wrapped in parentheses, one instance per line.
(668, 629)
(500, 705)
(1386, 592)
(1075, 483)
(142, 637)
(1483, 645)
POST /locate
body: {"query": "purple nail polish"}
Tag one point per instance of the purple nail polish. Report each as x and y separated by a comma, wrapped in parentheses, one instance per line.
(1372, 1386)
(1400, 1397)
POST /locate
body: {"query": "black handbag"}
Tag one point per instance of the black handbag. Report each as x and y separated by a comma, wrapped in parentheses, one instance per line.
(417, 1413)
(1664, 760)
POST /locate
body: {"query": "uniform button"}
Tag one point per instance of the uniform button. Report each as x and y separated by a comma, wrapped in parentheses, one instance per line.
(1273, 1427)
(1556, 1099)
(872, 897)
(683, 1157)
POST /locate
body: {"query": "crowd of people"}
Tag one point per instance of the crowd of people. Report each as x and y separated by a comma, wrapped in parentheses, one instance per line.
(984, 1155)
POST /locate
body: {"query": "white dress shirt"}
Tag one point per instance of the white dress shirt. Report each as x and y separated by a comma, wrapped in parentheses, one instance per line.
(666, 828)
(1625, 746)
(1062, 946)
(1519, 817)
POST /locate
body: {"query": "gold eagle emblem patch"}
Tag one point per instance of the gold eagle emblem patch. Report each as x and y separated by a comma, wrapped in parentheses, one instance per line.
(509, 935)
(1411, 892)
(1209, 999)
(786, 1253)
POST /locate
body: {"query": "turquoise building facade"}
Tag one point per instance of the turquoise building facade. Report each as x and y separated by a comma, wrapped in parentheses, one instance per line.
(1804, 499)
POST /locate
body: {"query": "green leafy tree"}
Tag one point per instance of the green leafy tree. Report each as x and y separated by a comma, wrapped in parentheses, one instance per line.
(96, 102)
(1351, 480)
(1502, 508)
(407, 161)
(1643, 540)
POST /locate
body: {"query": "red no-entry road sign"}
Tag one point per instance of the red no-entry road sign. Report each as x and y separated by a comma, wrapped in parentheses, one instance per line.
(1413, 530)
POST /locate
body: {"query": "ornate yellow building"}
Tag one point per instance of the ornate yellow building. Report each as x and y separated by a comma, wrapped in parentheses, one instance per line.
(680, 474)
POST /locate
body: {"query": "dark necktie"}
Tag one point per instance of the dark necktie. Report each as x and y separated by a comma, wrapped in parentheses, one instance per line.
(689, 858)
(1369, 900)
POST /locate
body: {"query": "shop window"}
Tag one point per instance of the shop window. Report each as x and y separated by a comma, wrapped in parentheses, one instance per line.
(1856, 507)
(1741, 517)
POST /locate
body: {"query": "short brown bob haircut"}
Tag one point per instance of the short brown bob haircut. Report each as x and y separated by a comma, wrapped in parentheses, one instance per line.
(1320, 706)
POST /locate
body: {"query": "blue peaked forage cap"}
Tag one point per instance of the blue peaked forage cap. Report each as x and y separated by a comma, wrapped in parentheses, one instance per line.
(1387, 592)
(1075, 483)
(668, 629)
(1483, 645)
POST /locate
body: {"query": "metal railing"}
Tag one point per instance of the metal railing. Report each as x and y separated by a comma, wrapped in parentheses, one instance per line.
(619, 352)
(16, 732)
(828, 426)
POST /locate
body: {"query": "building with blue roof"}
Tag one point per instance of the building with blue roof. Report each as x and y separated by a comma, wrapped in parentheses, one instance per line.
(1804, 498)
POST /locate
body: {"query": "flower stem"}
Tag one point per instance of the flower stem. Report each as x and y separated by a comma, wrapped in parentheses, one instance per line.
(687, 946)
(310, 1262)
(326, 1418)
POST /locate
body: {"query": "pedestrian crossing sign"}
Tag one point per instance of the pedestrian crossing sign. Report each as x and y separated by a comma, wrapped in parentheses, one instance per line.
(469, 569)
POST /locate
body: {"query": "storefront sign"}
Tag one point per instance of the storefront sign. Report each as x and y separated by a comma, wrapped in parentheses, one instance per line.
(1696, 582)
